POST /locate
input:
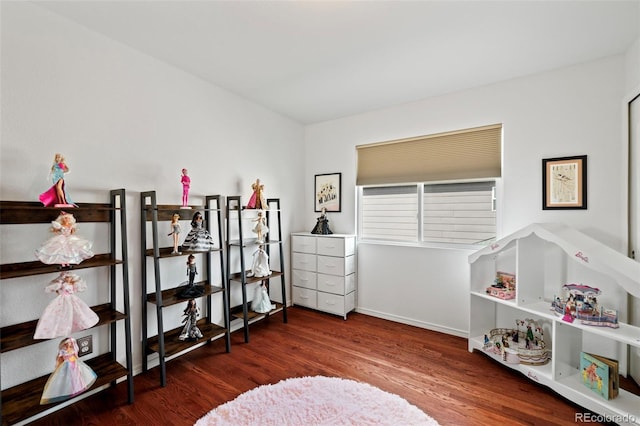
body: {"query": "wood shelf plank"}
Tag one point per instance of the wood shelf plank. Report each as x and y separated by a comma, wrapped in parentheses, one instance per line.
(26, 212)
(17, 336)
(170, 296)
(248, 280)
(173, 345)
(26, 269)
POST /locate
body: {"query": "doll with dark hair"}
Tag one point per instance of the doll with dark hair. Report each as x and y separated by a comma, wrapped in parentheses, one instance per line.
(190, 331)
(322, 225)
(191, 290)
(198, 239)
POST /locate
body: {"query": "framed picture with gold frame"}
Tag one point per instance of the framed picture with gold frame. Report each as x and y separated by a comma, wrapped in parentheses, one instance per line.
(564, 183)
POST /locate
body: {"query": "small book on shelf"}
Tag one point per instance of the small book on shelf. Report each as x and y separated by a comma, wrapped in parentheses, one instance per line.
(600, 374)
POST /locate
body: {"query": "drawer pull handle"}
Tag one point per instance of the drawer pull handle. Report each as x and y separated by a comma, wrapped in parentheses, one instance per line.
(329, 302)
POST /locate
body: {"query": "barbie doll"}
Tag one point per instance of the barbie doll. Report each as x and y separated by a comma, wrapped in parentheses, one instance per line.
(257, 201)
(67, 313)
(322, 225)
(198, 239)
(57, 194)
(190, 331)
(192, 290)
(64, 248)
(175, 232)
(260, 266)
(71, 376)
(261, 227)
(186, 184)
(261, 302)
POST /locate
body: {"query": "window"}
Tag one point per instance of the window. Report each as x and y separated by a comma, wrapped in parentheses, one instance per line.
(448, 213)
(454, 201)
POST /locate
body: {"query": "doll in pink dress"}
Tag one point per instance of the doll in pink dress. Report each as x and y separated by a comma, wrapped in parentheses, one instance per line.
(257, 201)
(67, 313)
(57, 194)
(71, 376)
(64, 248)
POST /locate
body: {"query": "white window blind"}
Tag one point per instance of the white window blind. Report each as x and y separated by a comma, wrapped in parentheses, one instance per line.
(461, 213)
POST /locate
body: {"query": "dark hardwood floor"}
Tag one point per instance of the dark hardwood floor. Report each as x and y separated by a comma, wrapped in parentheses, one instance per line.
(431, 370)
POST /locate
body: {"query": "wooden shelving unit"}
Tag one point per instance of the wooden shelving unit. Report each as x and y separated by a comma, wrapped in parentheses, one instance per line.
(237, 243)
(22, 402)
(162, 294)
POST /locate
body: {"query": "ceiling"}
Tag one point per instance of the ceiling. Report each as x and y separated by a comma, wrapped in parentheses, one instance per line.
(319, 60)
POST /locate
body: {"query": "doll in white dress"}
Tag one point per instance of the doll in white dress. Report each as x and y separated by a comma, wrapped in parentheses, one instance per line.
(260, 266)
(261, 302)
(64, 248)
(71, 376)
(67, 313)
(261, 228)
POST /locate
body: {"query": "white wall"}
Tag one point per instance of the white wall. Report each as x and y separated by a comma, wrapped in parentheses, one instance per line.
(571, 111)
(123, 120)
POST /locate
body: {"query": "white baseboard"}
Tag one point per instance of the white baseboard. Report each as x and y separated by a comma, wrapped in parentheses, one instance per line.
(416, 323)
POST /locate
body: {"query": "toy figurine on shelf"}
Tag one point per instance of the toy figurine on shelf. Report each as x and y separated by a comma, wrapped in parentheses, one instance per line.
(579, 302)
(185, 180)
(175, 232)
(64, 248)
(260, 267)
(322, 225)
(57, 195)
(261, 228)
(192, 290)
(71, 376)
(261, 303)
(257, 200)
(190, 331)
(67, 313)
(198, 239)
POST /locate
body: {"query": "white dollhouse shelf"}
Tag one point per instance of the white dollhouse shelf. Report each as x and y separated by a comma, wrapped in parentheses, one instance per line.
(544, 257)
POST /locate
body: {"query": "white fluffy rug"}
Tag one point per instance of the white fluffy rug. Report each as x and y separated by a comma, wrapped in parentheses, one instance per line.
(319, 400)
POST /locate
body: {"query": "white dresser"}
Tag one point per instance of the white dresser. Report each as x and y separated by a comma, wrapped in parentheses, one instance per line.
(323, 270)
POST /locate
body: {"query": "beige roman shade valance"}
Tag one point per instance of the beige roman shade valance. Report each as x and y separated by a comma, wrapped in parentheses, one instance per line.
(464, 154)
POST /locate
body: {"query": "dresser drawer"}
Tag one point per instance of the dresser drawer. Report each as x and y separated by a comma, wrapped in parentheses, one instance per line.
(335, 246)
(335, 304)
(331, 284)
(305, 297)
(304, 261)
(303, 244)
(336, 265)
(306, 279)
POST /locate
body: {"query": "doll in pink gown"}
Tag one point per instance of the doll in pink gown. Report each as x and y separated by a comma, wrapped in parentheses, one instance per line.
(64, 248)
(67, 313)
(257, 201)
(71, 376)
(57, 194)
